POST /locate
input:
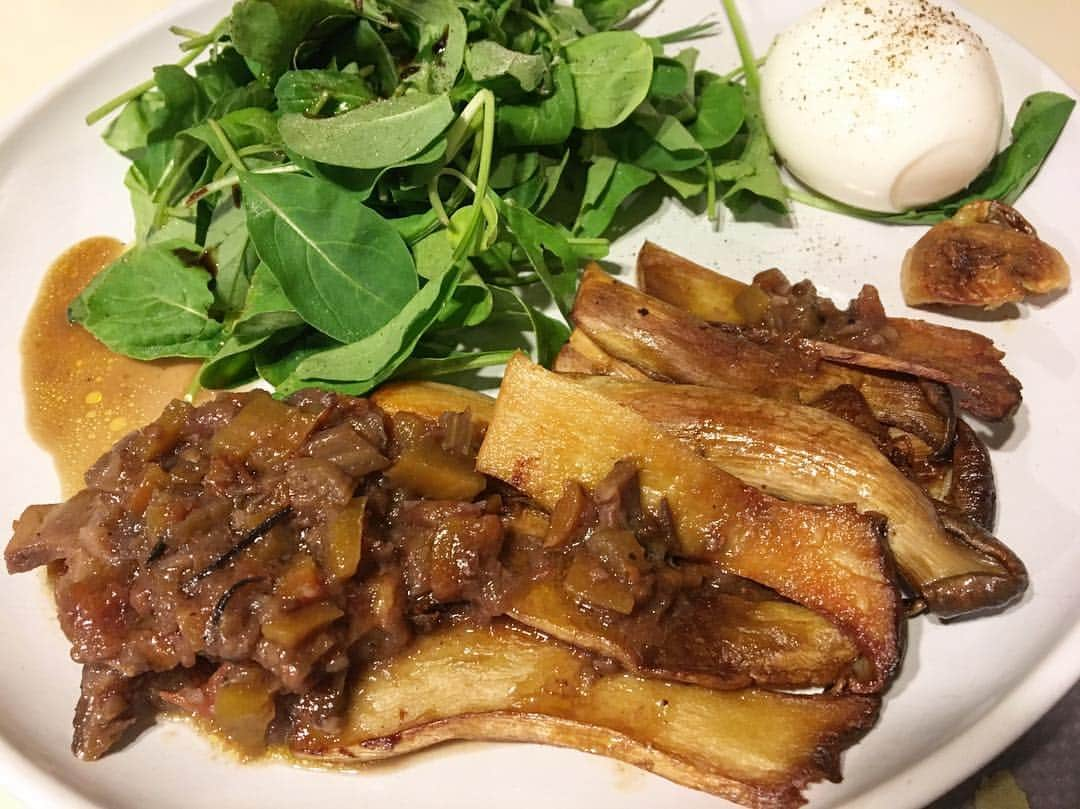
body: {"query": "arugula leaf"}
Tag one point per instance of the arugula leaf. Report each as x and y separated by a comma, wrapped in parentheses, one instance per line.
(656, 142)
(268, 32)
(144, 209)
(453, 363)
(471, 301)
(754, 171)
(549, 335)
(513, 168)
(149, 304)
(277, 358)
(266, 313)
(244, 127)
(670, 79)
(222, 74)
(720, 114)
(546, 122)
(487, 61)
(343, 267)
(319, 91)
(535, 237)
(358, 367)
(512, 325)
(175, 103)
(439, 32)
(1038, 125)
(608, 13)
(688, 183)
(612, 72)
(233, 255)
(609, 183)
(376, 135)
(371, 50)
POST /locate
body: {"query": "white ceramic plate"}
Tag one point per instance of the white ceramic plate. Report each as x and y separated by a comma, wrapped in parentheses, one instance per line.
(966, 690)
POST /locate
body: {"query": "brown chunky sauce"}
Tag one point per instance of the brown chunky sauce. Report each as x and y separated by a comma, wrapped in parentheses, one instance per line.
(80, 397)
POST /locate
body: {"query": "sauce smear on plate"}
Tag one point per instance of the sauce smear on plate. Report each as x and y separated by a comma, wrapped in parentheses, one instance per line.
(80, 397)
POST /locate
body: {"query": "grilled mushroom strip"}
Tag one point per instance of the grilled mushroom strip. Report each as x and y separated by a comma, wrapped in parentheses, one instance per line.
(759, 748)
(548, 431)
(860, 335)
(986, 255)
(804, 454)
(601, 590)
(670, 344)
(723, 634)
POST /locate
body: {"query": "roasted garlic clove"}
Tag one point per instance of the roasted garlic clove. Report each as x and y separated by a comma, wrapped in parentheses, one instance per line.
(986, 255)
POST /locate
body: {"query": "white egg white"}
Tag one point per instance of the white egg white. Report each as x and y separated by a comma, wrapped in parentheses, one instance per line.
(883, 104)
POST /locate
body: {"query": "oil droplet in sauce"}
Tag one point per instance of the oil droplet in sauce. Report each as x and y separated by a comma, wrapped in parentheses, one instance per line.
(80, 397)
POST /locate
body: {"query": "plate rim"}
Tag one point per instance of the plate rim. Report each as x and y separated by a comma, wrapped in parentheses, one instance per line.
(1013, 714)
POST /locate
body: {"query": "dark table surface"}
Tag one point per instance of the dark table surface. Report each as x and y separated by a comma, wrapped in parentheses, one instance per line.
(1045, 762)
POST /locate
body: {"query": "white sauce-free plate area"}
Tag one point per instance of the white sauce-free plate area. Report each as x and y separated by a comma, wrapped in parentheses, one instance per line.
(966, 690)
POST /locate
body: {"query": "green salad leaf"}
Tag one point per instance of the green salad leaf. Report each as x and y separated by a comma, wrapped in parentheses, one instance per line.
(372, 136)
(334, 193)
(360, 366)
(612, 72)
(344, 268)
(150, 303)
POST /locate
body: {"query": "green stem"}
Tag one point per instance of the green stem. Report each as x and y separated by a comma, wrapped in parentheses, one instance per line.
(826, 204)
(436, 202)
(186, 33)
(193, 53)
(732, 75)
(542, 23)
(746, 53)
(465, 124)
(230, 180)
(162, 198)
(483, 173)
(226, 145)
(710, 189)
(195, 388)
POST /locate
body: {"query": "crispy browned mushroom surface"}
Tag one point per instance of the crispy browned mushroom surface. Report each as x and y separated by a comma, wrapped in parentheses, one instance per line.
(986, 255)
(861, 334)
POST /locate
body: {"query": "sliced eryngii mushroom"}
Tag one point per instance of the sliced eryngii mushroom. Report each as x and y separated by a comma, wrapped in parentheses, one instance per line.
(432, 399)
(668, 343)
(499, 683)
(702, 292)
(548, 430)
(722, 634)
(711, 636)
(805, 454)
(986, 255)
(581, 355)
(968, 361)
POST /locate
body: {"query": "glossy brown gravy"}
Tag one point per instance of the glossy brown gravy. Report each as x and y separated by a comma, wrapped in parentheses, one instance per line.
(81, 397)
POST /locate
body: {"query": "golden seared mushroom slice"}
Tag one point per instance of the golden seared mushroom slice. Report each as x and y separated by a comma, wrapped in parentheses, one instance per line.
(501, 683)
(548, 430)
(809, 456)
(668, 343)
(860, 334)
(692, 626)
(986, 255)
